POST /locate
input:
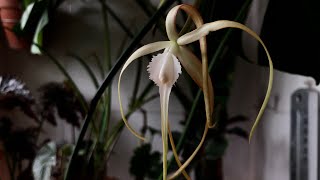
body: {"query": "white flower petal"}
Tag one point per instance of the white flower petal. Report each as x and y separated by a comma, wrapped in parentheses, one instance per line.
(164, 68)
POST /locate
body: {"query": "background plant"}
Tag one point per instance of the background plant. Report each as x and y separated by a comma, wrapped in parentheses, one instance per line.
(20, 144)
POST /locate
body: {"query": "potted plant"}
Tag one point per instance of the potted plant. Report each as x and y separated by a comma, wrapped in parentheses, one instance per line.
(10, 14)
(24, 21)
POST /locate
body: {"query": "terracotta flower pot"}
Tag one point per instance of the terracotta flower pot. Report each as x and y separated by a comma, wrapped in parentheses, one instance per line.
(10, 14)
(3, 167)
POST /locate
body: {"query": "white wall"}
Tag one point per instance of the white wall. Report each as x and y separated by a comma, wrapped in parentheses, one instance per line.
(267, 156)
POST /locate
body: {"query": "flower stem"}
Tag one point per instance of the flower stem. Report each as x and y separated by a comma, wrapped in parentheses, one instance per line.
(164, 102)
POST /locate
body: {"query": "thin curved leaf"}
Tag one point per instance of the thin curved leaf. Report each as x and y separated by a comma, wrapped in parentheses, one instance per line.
(38, 35)
(26, 15)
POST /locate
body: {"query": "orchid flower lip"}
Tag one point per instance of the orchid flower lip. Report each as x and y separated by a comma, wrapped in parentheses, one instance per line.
(164, 68)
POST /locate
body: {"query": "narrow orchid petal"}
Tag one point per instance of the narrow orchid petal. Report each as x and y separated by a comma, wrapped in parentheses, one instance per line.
(171, 24)
(193, 66)
(197, 19)
(144, 50)
(209, 27)
(175, 154)
(217, 25)
(188, 161)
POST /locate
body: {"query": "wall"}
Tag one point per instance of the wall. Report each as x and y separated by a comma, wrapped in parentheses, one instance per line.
(267, 156)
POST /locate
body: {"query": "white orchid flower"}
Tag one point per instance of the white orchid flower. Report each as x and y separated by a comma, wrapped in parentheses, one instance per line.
(164, 70)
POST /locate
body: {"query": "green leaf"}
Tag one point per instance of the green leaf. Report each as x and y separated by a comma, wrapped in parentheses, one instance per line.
(26, 3)
(25, 16)
(44, 161)
(38, 35)
(215, 148)
(145, 163)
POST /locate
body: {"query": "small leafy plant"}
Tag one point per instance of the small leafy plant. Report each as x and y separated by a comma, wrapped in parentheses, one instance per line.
(21, 144)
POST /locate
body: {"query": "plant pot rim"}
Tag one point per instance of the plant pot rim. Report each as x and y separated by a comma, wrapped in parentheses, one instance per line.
(9, 4)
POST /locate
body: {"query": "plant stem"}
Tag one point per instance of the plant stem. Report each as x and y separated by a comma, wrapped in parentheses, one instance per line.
(106, 33)
(87, 68)
(118, 20)
(107, 103)
(99, 64)
(109, 78)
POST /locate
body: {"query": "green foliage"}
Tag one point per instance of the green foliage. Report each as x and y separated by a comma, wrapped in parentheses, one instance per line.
(60, 97)
(20, 145)
(145, 163)
(35, 18)
(215, 148)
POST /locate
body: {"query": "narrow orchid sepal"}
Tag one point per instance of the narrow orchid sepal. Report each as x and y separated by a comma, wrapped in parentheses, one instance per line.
(217, 25)
(197, 19)
(188, 161)
(175, 154)
(193, 66)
